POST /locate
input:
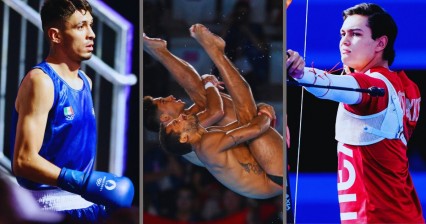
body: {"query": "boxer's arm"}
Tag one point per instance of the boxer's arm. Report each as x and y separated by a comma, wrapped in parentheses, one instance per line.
(34, 100)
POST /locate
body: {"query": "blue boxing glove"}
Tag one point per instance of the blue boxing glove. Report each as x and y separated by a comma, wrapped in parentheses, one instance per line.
(98, 187)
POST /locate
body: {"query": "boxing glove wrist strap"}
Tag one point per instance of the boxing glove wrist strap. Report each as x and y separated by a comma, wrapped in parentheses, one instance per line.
(72, 180)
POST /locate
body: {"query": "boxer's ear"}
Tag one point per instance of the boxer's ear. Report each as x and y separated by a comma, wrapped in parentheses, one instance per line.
(54, 35)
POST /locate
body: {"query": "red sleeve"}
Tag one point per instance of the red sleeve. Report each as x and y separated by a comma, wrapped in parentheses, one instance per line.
(369, 104)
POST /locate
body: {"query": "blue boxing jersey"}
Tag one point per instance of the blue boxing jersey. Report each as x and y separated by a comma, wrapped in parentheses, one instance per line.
(70, 136)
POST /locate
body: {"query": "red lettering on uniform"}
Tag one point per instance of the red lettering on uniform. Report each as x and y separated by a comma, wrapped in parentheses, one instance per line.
(410, 107)
(345, 182)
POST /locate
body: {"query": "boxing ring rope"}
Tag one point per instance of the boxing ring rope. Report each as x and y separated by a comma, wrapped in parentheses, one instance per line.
(119, 76)
(96, 63)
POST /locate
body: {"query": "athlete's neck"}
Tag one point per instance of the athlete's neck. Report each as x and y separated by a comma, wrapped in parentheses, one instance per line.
(375, 62)
(67, 71)
(62, 67)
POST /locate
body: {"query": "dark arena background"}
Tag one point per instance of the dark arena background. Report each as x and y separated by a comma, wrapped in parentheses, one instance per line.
(317, 188)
